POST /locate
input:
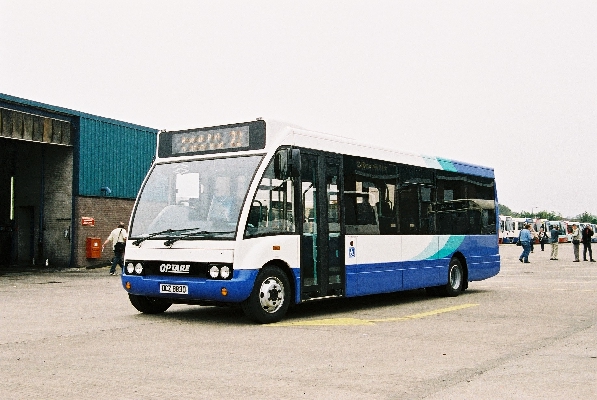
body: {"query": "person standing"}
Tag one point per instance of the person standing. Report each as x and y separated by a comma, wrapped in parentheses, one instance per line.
(534, 236)
(525, 239)
(118, 238)
(587, 233)
(555, 238)
(576, 242)
(543, 238)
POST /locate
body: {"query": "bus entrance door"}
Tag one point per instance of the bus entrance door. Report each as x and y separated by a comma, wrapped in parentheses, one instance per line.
(322, 242)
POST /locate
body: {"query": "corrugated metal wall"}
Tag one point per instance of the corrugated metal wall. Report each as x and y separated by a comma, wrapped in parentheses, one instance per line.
(112, 154)
(108, 152)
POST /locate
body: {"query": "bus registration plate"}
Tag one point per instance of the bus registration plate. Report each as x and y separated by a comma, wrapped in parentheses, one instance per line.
(175, 289)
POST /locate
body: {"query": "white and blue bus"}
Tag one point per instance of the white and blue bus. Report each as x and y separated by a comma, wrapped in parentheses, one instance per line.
(267, 215)
(506, 229)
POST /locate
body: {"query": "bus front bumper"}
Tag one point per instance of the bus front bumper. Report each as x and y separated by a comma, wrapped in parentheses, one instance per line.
(192, 289)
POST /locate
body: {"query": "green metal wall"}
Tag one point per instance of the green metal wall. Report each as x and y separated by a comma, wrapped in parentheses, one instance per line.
(113, 154)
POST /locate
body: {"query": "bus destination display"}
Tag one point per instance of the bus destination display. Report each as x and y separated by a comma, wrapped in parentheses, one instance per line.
(221, 139)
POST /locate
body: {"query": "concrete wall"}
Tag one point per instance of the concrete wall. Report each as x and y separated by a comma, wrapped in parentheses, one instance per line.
(107, 213)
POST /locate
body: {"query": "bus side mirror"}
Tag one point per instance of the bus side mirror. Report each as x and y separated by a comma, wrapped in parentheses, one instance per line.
(295, 166)
(287, 164)
(281, 164)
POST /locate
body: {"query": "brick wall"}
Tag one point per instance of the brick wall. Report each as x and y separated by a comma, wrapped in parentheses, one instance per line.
(107, 212)
(57, 205)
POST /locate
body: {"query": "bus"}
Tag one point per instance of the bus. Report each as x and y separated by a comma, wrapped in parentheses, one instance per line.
(561, 226)
(570, 228)
(266, 215)
(518, 224)
(506, 229)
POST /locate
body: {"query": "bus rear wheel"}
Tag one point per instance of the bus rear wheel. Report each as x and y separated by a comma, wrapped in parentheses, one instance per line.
(270, 298)
(455, 279)
(149, 305)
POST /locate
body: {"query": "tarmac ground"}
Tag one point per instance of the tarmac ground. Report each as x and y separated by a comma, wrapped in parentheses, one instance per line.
(528, 333)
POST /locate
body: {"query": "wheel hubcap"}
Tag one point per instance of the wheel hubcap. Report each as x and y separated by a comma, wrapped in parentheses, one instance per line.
(271, 295)
(455, 277)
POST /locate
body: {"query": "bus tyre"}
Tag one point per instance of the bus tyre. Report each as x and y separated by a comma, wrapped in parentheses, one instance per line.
(455, 279)
(149, 305)
(270, 298)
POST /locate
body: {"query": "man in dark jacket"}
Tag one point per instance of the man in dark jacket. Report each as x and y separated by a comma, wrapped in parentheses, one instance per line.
(587, 232)
(555, 241)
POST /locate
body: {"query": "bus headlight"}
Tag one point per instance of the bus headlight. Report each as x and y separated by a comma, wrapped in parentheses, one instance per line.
(139, 268)
(219, 271)
(130, 268)
(214, 272)
(225, 272)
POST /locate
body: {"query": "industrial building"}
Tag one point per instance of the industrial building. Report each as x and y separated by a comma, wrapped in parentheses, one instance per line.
(66, 179)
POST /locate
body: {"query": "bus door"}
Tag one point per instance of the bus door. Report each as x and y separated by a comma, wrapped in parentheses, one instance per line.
(322, 242)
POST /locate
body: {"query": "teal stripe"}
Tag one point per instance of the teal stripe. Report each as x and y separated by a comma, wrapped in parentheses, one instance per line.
(451, 246)
(429, 253)
(447, 165)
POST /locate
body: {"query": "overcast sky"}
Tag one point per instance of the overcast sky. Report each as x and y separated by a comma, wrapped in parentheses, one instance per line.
(507, 84)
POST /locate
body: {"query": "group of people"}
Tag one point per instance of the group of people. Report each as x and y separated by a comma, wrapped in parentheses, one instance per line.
(528, 236)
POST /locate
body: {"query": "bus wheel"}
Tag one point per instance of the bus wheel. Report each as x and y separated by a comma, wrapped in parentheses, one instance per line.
(270, 297)
(455, 279)
(149, 305)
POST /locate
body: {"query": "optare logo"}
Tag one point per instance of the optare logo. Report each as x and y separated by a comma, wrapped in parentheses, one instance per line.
(175, 268)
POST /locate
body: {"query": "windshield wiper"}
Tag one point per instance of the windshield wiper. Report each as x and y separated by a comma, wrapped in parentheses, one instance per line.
(142, 239)
(202, 234)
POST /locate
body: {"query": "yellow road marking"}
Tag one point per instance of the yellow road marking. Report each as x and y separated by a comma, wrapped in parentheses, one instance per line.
(357, 321)
(426, 314)
(326, 322)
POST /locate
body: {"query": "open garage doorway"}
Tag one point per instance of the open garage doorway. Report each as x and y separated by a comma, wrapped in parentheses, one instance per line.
(35, 203)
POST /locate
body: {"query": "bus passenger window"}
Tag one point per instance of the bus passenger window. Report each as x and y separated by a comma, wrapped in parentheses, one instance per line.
(369, 196)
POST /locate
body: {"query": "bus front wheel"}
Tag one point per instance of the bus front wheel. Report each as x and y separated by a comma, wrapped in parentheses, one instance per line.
(149, 305)
(455, 279)
(270, 297)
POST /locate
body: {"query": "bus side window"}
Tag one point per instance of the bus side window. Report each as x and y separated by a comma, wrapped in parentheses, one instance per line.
(366, 214)
(272, 209)
(416, 197)
(256, 214)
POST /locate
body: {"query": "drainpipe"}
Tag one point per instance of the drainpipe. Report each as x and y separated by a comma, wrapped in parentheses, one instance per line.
(40, 243)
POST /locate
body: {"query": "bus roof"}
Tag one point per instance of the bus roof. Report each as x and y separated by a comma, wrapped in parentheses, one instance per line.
(297, 136)
(280, 133)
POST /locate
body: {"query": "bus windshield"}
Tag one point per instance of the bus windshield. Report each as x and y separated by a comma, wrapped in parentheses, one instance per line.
(199, 199)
